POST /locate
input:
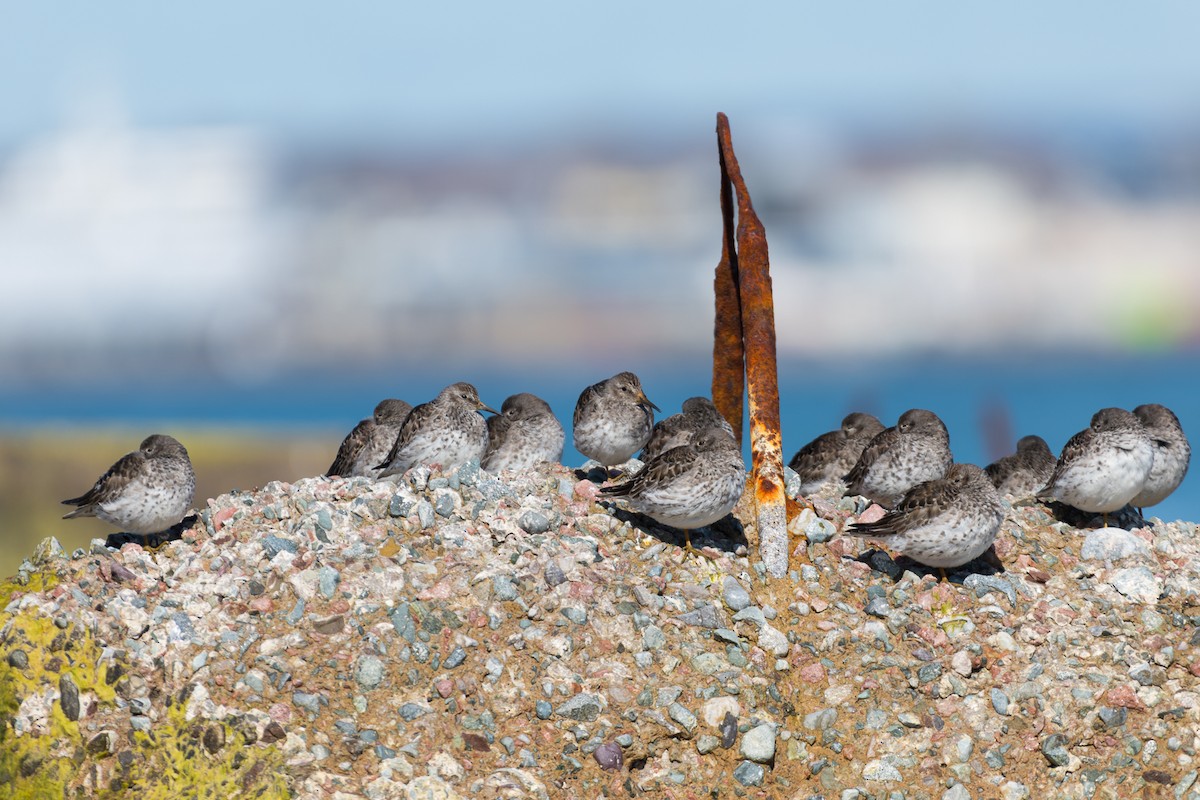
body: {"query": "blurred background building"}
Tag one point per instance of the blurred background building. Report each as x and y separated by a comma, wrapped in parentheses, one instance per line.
(270, 218)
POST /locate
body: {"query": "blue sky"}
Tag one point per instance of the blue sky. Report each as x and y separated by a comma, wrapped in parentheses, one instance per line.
(434, 72)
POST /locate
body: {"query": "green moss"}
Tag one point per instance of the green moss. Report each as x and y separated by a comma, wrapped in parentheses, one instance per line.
(170, 762)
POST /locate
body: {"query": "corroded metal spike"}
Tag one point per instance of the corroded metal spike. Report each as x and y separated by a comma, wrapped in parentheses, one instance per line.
(728, 383)
(751, 268)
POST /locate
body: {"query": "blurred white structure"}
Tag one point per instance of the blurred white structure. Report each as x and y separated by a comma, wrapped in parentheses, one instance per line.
(204, 247)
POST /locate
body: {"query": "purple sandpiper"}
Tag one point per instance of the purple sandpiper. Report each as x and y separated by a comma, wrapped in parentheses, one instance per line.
(698, 414)
(1025, 471)
(523, 434)
(1104, 466)
(1172, 453)
(830, 456)
(370, 441)
(613, 419)
(941, 523)
(690, 486)
(446, 431)
(146, 491)
(915, 450)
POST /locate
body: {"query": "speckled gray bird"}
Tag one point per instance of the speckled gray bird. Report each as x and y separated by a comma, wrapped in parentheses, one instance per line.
(942, 523)
(690, 486)
(447, 431)
(698, 414)
(1025, 471)
(146, 491)
(1104, 466)
(915, 450)
(830, 456)
(523, 434)
(370, 441)
(1172, 453)
(613, 419)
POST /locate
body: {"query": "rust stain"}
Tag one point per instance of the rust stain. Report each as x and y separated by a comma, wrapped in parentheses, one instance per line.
(751, 267)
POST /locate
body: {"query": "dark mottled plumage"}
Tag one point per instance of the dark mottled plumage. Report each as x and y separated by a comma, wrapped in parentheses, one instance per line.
(523, 434)
(944, 522)
(146, 491)
(915, 450)
(447, 430)
(1172, 453)
(1025, 471)
(613, 419)
(1104, 466)
(698, 414)
(831, 455)
(370, 440)
(690, 486)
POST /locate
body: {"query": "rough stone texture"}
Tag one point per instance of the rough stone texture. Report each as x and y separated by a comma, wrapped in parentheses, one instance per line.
(415, 639)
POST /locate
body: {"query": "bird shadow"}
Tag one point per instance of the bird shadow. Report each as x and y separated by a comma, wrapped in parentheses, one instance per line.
(152, 541)
(727, 534)
(1126, 518)
(881, 561)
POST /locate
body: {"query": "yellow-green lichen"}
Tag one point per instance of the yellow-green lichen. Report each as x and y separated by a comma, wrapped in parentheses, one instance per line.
(39, 767)
(170, 762)
(35, 582)
(175, 760)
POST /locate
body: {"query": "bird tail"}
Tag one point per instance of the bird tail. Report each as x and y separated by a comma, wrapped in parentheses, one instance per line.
(617, 490)
(868, 529)
(83, 511)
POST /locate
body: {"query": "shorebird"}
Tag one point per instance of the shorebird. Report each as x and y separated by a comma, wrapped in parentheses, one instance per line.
(941, 523)
(916, 449)
(689, 486)
(1025, 471)
(831, 455)
(447, 431)
(523, 434)
(613, 419)
(146, 491)
(1104, 466)
(370, 441)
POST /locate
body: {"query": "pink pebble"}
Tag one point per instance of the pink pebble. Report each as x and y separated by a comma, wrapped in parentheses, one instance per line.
(444, 687)
(874, 513)
(813, 673)
(587, 490)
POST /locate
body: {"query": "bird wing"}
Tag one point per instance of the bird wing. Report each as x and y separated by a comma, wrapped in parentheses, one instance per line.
(585, 399)
(118, 476)
(811, 460)
(351, 446)
(661, 470)
(870, 454)
(922, 503)
(1076, 445)
(412, 423)
(497, 428)
(663, 433)
(999, 469)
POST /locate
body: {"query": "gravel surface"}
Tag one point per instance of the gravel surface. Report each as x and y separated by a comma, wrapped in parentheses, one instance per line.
(462, 635)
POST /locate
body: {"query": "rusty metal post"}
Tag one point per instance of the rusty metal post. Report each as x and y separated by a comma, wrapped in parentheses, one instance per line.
(751, 267)
(728, 382)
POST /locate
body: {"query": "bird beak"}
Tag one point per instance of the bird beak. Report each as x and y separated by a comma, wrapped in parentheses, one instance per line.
(646, 402)
(483, 407)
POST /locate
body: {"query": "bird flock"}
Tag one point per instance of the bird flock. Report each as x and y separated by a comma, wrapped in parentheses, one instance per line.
(935, 511)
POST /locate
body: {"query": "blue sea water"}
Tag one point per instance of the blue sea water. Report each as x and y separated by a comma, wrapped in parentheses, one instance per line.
(987, 403)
